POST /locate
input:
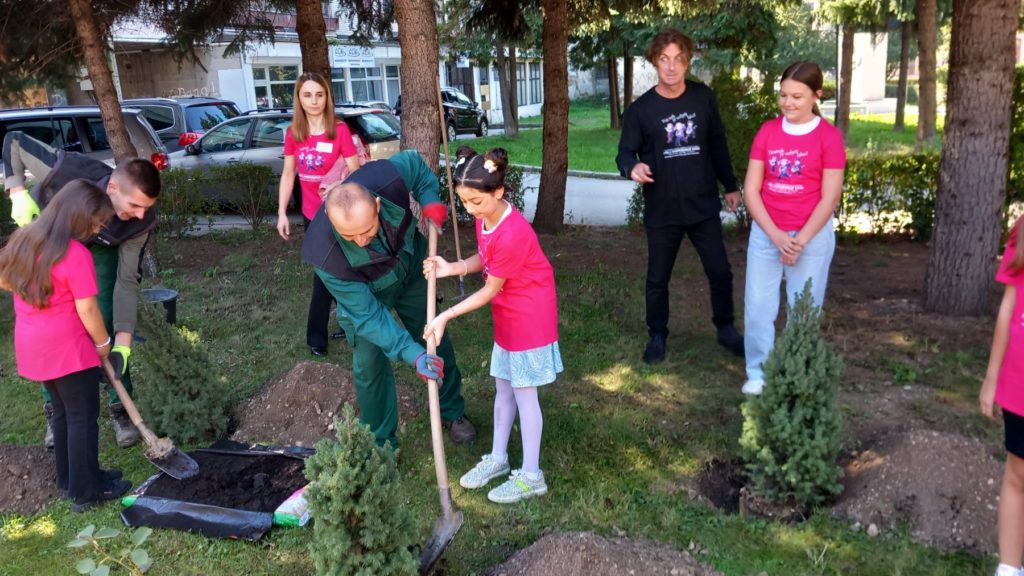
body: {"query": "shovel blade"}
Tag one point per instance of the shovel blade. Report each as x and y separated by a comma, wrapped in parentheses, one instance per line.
(176, 464)
(445, 529)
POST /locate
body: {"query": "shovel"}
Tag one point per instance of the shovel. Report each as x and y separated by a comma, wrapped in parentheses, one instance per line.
(160, 451)
(448, 524)
(451, 190)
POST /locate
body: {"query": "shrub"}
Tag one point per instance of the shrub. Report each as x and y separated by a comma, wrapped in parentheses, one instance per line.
(514, 192)
(360, 523)
(1015, 188)
(790, 438)
(183, 398)
(250, 188)
(635, 210)
(895, 193)
(181, 201)
(744, 109)
(828, 90)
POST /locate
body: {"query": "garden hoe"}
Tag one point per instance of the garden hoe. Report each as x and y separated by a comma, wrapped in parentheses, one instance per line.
(160, 451)
(448, 524)
(451, 190)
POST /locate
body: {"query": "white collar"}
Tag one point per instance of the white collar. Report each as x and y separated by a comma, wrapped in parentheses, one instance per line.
(800, 129)
(508, 210)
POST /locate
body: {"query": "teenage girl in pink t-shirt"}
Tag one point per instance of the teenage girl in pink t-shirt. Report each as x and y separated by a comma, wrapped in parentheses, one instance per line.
(1004, 385)
(59, 335)
(313, 143)
(520, 285)
(792, 188)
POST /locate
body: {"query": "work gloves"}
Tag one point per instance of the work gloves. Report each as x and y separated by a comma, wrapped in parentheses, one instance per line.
(119, 359)
(436, 212)
(428, 367)
(23, 208)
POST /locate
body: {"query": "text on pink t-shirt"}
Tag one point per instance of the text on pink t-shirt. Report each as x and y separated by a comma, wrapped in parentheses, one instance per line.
(793, 167)
(525, 311)
(314, 157)
(1010, 389)
(52, 342)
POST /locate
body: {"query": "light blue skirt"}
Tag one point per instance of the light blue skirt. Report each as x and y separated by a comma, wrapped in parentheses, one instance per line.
(527, 368)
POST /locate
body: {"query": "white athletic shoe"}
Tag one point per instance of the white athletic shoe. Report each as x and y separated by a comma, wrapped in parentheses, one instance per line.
(753, 387)
(485, 471)
(519, 485)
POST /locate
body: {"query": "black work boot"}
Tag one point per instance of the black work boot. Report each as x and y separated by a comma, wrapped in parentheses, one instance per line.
(125, 433)
(730, 337)
(655, 351)
(48, 438)
(461, 430)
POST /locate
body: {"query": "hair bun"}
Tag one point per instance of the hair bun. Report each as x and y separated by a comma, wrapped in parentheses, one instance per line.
(500, 158)
(465, 151)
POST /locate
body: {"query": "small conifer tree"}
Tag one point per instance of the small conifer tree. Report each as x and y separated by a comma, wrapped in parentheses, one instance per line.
(183, 397)
(790, 439)
(360, 523)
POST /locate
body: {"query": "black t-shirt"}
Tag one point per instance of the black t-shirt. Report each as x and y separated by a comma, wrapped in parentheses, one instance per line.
(683, 141)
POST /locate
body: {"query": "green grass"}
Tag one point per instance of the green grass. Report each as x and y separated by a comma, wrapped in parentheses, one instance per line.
(592, 145)
(619, 438)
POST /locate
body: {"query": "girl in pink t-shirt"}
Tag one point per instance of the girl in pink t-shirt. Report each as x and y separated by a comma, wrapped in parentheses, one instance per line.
(792, 188)
(313, 143)
(1004, 385)
(520, 285)
(59, 335)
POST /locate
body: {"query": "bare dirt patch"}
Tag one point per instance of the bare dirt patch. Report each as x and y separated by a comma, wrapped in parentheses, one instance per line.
(584, 553)
(28, 479)
(297, 408)
(944, 486)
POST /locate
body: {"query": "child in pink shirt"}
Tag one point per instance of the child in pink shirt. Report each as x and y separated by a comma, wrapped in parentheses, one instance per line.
(59, 335)
(520, 285)
(1004, 385)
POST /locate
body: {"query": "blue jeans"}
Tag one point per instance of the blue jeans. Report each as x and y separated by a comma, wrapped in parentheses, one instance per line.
(764, 277)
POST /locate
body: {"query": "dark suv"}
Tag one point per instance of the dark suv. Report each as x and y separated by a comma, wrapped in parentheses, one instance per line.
(182, 120)
(461, 115)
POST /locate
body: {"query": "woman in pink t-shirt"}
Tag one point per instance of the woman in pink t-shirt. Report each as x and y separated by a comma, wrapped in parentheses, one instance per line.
(1004, 385)
(792, 188)
(312, 145)
(59, 335)
(520, 285)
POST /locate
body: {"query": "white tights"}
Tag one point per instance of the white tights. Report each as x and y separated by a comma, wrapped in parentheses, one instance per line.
(531, 422)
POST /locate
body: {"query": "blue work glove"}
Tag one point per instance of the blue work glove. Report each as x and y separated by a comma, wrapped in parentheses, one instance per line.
(429, 367)
(119, 360)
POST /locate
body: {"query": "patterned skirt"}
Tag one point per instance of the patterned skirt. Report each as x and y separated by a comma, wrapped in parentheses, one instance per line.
(526, 368)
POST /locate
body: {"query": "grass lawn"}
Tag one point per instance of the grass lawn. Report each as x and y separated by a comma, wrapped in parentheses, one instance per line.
(621, 438)
(592, 144)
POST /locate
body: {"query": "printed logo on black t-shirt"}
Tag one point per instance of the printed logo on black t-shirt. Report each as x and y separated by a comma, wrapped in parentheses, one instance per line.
(680, 129)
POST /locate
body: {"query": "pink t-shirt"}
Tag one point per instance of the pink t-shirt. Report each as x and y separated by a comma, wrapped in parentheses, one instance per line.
(314, 156)
(52, 342)
(525, 311)
(1010, 389)
(793, 168)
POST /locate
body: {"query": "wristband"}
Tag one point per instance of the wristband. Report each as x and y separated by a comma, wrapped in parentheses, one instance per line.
(104, 344)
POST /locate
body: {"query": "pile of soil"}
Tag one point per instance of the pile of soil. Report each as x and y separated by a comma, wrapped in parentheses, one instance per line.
(943, 485)
(28, 479)
(254, 483)
(297, 408)
(584, 553)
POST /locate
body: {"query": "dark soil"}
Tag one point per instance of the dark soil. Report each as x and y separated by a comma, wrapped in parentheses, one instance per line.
(587, 554)
(28, 479)
(720, 482)
(297, 407)
(254, 483)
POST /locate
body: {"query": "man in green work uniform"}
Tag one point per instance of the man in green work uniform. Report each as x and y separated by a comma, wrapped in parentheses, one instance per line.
(133, 188)
(366, 248)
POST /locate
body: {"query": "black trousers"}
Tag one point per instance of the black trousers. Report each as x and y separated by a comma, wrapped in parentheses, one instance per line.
(663, 247)
(76, 406)
(319, 311)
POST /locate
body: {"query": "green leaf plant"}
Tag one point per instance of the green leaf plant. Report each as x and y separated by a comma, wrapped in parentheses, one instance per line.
(131, 557)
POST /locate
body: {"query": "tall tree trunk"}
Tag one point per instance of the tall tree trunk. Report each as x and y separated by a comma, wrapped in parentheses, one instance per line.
(927, 40)
(312, 31)
(906, 35)
(508, 115)
(845, 80)
(513, 80)
(417, 39)
(555, 166)
(627, 81)
(94, 49)
(613, 92)
(975, 149)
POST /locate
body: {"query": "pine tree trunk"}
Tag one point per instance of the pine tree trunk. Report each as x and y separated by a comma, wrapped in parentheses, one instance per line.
(906, 35)
(94, 49)
(627, 81)
(927, 40)
(417, 38)
(845, 80)
(513, 82)
(613, 92)
(312, 31)
(508, 115)
(972, 178)
(555, 166)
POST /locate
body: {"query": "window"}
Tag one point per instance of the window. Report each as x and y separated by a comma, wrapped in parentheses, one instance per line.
(269, 132)
(394, 84)
(535, 88)
(338, 86)
(274, 86)
(230, 136)
(521, 83)
(366, 84)
(205, 116)
(97, 135)
(160, 117)
(375, 126)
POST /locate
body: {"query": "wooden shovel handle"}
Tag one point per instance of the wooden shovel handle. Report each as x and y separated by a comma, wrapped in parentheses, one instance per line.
(436, 430)
(129, 406)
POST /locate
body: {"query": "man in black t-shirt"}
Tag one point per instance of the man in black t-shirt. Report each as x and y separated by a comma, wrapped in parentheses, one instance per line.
(673, 143)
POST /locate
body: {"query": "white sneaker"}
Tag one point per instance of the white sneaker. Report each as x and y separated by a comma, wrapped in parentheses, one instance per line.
(753, 387)
(1006, 570)
(519, 485)
(485, 471)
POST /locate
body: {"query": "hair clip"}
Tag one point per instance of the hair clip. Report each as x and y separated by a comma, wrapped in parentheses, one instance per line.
(461, 161)
(490, 166)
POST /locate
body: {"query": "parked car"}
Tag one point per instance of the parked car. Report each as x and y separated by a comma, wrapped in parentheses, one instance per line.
(257, 136)
(461, 115)
(180, 121)
(378, 104)
(80, 129)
